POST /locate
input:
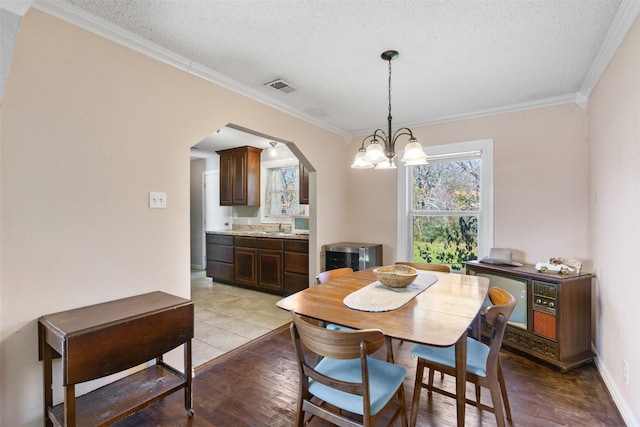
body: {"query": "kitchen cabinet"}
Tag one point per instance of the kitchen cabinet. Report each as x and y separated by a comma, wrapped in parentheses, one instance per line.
(270, 264)
(275, 265)
(103, 339)
(245, 258)
(220, 257)
(240, 176)
(303, 174)
(552, 318)
(296, 266)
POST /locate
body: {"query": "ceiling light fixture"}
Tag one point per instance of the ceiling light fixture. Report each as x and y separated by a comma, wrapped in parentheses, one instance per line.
(272, 149)
(379, 157)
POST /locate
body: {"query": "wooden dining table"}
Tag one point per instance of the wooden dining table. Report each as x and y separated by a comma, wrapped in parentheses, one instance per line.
(439, 316)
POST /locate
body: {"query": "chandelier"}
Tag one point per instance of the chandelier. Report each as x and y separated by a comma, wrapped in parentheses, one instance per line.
(375, 155)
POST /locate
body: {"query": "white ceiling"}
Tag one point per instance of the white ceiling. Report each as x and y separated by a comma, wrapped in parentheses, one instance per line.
(457, 58)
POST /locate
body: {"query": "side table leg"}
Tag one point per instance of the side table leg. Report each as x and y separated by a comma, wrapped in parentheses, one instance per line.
(188, 395)
(70, 405)
(47, 377)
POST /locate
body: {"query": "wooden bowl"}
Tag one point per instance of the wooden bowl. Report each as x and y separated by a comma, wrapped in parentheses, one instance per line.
(396, 276)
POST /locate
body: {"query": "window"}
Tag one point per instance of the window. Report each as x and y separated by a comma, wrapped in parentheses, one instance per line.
(281, 192)
(445, 205)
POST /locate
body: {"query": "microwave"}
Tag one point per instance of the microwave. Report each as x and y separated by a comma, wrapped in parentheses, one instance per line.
(300, 224)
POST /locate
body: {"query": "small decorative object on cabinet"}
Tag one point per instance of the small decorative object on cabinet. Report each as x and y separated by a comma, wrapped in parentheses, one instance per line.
(240, 176)
(552, 318)
(107, 338)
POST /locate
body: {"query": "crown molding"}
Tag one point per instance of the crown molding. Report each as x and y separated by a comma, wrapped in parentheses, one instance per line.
(626, 15)
(109, 31)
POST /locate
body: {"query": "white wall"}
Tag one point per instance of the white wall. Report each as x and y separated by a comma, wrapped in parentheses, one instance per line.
(87, 129)
(614, 234)
(540, 183)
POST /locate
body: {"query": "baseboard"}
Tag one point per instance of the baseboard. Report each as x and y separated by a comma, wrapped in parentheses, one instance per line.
(619, 401)
(198, 267)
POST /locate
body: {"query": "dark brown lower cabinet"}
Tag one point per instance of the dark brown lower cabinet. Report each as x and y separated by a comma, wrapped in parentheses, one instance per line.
(270, 264)
(273, 265)
(246, 255)
(296, 266)
(220, 258)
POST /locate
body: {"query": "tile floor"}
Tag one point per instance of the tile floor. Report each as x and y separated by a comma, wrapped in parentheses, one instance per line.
(227, 317)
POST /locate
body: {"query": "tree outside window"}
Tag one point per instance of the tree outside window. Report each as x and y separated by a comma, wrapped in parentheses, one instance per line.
(445, 210)
(281, 199)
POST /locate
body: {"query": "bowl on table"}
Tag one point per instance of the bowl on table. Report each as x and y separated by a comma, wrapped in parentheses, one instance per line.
(396, 276)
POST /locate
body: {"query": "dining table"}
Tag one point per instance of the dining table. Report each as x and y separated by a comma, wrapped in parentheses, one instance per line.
(438, 316)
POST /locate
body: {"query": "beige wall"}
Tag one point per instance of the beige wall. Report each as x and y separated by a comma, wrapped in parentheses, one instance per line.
(89, 128)
(614, 234)
(540, 183)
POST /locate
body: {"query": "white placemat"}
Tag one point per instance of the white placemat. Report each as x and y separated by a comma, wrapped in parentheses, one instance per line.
(378, 297)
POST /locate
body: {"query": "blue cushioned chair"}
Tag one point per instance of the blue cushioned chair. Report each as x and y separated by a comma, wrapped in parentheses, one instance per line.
(346, 376)
(483, 361)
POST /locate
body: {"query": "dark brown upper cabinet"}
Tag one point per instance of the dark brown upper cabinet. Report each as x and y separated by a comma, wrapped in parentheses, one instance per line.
(240, 176)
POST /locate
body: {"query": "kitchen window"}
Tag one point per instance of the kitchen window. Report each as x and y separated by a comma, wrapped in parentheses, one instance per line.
(446, 205)
(281, 196)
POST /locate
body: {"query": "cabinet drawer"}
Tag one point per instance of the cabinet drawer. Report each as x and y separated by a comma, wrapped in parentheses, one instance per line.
(296, 245)
(270, 244)
(245, 242)
(220, 253)
(294, 282)
(296, 262)
(218, 239)
(220, 272)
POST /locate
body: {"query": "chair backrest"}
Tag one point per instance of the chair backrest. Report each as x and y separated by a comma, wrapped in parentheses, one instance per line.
(496, 316)
(325, 276)
(424, 266)
(335, 344)
(503, 304)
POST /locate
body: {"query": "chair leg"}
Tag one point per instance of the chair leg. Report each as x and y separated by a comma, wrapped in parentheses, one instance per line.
(430, 387)
(416, 392)
(503, 389)
(496, 399)
(403, 406)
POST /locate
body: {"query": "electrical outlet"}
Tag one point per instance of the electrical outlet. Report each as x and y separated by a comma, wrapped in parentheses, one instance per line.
(625, 371)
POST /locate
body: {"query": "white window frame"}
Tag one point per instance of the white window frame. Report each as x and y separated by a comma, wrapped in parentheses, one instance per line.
(485, 220)
(265, 165)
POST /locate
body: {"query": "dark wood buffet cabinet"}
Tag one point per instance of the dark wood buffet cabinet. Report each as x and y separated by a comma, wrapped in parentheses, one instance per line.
(111, 337)
(274, 265)
(552, 318)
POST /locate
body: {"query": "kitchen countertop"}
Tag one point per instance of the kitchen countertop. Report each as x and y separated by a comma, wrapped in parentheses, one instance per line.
(269, 234)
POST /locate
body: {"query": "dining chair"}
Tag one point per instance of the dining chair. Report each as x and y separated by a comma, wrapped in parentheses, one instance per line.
(484, 368)
(346, 377)
(325, 276)
(425, 266)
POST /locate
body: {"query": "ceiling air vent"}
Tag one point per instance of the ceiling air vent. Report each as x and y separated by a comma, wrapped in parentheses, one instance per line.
(281, 86)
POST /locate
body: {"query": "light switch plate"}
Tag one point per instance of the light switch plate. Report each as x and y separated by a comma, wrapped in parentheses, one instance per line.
(157, 200)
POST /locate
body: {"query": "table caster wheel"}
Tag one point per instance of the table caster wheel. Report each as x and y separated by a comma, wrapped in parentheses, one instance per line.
(190, 413)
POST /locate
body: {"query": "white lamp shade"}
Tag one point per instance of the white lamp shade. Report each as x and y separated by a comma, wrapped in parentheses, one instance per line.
(360, 162)
(414, 154)
(375, 153)
(387, 164)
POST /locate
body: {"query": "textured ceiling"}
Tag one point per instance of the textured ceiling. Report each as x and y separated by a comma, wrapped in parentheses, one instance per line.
(457, 58)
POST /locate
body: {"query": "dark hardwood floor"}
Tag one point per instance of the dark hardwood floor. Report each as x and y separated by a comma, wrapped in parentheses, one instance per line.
(256, 385)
